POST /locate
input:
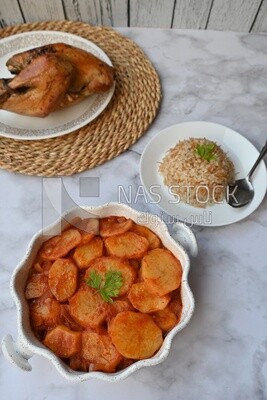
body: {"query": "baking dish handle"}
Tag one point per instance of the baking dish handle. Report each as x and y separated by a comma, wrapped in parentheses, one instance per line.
(185, 237)
(16, 353)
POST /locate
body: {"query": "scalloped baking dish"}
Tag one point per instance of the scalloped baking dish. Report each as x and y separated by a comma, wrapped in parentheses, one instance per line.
(26, 345)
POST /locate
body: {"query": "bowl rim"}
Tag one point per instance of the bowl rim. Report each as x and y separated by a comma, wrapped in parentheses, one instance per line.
(26, 344)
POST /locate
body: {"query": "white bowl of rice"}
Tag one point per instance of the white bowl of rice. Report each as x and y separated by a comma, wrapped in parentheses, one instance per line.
(197, 171)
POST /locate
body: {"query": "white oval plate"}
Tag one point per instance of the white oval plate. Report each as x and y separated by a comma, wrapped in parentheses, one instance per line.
(59, 122)
(241, 152)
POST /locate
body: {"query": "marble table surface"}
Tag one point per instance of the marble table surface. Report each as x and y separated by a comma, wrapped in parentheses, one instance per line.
(222, 353)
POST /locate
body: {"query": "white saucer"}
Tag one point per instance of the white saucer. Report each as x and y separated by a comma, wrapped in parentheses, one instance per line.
(239, 149)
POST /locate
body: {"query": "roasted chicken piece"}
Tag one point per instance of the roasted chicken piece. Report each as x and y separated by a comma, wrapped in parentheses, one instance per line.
(5, 91)
(52, 77)
(91, 74)
(38, 88)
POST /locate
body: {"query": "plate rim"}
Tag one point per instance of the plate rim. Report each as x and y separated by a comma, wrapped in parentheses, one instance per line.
(109, 94)
(179, 217)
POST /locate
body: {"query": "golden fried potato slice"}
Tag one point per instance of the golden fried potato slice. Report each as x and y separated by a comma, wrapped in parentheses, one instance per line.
(44, 266)
(63, 341)
(67, 320)
(44, 313)
(62, 278)
(37, 285)
(79, 364)
(121, 305)
(88, 228)
(37, 267)
(59, 246)
(128, 245)
(104, 264)
(41, 265)
(125, 363)
(99, 350)
(176, 305)
(135, 335)
(161, 271)
(88, 308)
(111, 226)
(86, 237)
(153, 240)
(118, 306)
(146, 301)
(165, 319)
(84, 255)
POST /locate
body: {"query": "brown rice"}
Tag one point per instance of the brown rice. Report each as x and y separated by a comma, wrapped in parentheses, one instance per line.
(193, 179)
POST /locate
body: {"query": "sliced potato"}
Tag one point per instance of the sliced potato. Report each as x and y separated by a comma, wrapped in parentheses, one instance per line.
(59, 246)
(114, 226)
(153, 240)
(176, 304)
(135, 335)
(84, 255)
(47, 250)
(45, 313)
(67, 320)
(79, 364)
(37, 267)
(128, 245)
(46, 265)
(118, 306)
(165, 319)
(63, 341)
(88, 225)
(86, 237)
(146, 301)
(104, 264)
(41, 265)
(121, 305)
(125, 363)
(88, 228)
(37, 285)
(88, 308)
(62, 278)
(99, 350)
(161, 271)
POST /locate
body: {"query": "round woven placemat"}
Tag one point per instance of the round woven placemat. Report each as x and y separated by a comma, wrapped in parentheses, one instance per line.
(130, 112)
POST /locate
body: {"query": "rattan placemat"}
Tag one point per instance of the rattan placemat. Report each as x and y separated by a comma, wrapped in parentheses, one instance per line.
(130, 112)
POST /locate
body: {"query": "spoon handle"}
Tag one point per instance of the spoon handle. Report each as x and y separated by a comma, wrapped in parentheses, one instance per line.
(261, 155)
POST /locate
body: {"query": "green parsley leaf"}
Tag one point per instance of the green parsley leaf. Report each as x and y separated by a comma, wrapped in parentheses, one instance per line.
(109, 286)
(206, 151)
(94, 280)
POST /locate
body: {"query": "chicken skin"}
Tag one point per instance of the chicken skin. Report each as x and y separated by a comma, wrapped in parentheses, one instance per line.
(38, 88)
(52, 77)
(91, 73)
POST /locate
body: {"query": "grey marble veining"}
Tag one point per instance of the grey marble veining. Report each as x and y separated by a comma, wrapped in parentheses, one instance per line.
(222, 353)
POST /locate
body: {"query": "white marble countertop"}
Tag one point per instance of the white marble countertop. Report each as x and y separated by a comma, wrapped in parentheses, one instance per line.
(222, 353)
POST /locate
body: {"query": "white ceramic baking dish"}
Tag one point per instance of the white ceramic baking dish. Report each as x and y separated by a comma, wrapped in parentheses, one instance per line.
(26, 345)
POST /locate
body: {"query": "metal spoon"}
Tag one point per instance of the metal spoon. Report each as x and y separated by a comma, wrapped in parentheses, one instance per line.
(241, 192)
